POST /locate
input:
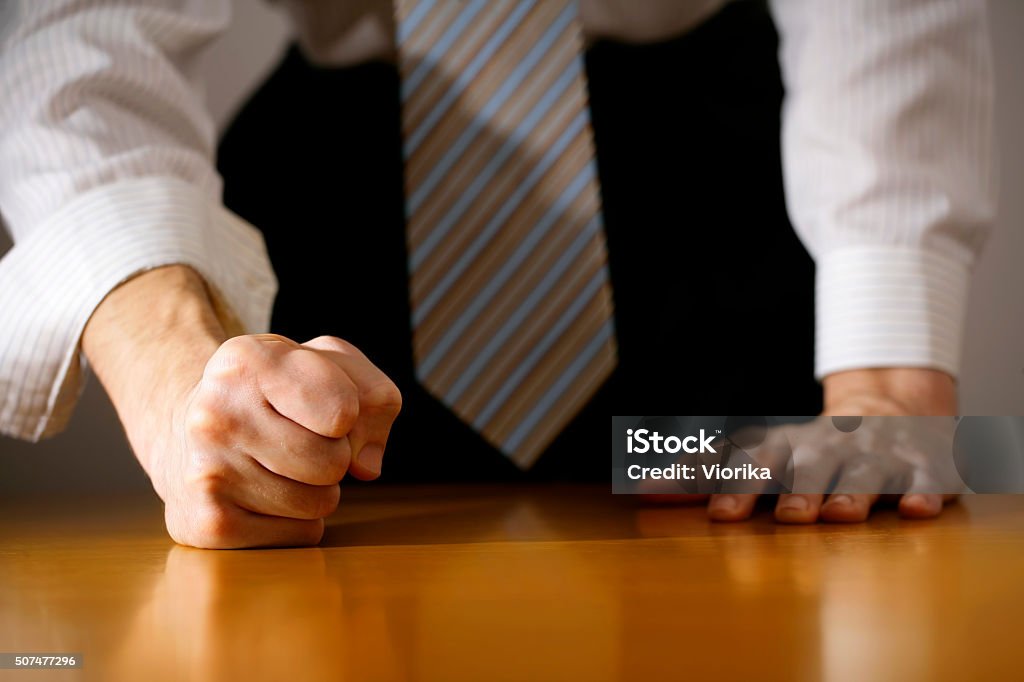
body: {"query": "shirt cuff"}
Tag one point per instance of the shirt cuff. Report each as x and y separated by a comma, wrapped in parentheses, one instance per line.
(890, 306)
(52, 280)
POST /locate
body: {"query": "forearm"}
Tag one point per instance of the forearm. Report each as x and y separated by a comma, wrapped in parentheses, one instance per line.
(124, 185)
(148, 342)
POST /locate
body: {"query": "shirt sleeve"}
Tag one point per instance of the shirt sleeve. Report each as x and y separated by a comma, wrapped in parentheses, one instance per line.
(106, 171)
(889, 171)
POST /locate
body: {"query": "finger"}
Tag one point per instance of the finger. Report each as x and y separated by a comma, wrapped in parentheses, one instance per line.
(775, 452)
(737, 501)
(798, 508)
(283, 447)
(263, 492)
(852, 500)
(848, 507)
(814, 468)
(731, 507)
(379, 404)
(226, 526)
(920, 505)
(306, 387)
(916, 503)
(734, 457)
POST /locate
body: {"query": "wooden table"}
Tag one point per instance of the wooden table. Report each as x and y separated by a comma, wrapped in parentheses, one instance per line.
(486, 583)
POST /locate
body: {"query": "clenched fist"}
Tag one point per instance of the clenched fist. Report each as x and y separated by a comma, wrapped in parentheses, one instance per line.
(244, 439)
(267, 434)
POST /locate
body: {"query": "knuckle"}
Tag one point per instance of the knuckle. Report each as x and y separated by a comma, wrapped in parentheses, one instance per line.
(311, 533)
(860, 466)
(207, 423)
(332, 343)
(807, 454)
(332, 499)
(237, 356)
(334, 463)
(205, 482)
(324, 501)
(214, 526)
(206, 474)
(244, 346)
(226, 366)
(262, 339)
(208, 525)
(345, 407)
(320, 461)
(384, 397)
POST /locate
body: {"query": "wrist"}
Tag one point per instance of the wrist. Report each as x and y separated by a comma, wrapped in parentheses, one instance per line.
(148, 342)
(886, 391)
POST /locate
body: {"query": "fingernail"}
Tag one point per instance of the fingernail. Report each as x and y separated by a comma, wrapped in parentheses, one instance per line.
(841, 500)
(796, 504)
(917, 500)
(371, 457)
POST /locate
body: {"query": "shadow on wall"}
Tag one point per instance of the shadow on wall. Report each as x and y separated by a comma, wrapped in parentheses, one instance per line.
(91, 456)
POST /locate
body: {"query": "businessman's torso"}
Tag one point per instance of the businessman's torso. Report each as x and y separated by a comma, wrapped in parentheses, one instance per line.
(713, 292)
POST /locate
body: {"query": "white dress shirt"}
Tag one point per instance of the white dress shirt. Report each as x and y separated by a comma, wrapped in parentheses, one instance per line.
(106, 167)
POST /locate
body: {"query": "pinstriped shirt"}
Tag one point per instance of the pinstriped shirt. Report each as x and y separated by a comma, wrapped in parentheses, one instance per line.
(106, 167)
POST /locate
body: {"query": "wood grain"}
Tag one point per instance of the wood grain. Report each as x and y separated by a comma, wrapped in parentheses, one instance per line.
(531, 583)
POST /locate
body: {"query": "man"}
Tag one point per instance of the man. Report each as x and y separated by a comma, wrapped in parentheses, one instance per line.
(122, 245)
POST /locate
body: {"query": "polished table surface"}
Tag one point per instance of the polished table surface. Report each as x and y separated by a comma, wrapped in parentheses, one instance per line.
(518, 583)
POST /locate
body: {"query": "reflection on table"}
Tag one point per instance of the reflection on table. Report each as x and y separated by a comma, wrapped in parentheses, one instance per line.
(520, 584)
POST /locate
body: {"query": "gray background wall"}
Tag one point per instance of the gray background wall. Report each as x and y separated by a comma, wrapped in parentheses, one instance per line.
(93, 455)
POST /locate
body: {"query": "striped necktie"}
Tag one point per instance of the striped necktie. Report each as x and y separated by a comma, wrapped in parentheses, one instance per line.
(511, 302)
